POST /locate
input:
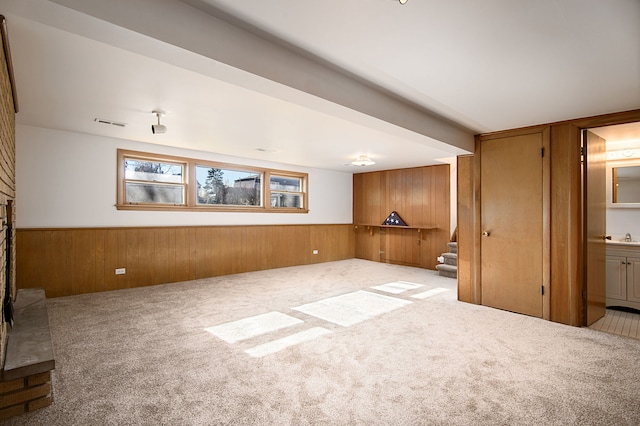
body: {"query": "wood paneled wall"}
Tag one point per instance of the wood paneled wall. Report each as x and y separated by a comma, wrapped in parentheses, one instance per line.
(73, 261)
(566, 225)
(467, 291)
(563, 228)
(565, 221)
(421, 197)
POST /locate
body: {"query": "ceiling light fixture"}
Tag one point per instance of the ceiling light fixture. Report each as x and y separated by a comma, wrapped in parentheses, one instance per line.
(624, 154)
(363, 160)
(402, 1)
(158, 128)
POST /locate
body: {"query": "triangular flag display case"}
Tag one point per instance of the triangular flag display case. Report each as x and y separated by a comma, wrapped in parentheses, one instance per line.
(394, 219)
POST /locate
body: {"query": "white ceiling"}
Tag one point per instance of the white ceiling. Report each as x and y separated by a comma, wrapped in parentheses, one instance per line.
(422, 77)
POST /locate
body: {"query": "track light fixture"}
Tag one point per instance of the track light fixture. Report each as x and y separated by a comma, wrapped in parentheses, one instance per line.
(158, 128)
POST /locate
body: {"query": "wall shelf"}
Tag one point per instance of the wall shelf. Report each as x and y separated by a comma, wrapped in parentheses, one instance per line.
(371, 227)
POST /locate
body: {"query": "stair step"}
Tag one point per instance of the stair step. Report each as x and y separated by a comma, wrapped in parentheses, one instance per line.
(453, 247)
(445, 267)
(449, 271)
(450, 258)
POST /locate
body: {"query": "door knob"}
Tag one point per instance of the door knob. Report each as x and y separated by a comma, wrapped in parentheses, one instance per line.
(486, 233)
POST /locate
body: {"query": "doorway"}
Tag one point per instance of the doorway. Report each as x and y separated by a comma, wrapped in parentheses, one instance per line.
(622, 211)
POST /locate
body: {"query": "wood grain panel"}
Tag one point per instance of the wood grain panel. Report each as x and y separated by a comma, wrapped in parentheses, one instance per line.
(367, 242)
(110, 262)
(595, 225)
(402, 246)
(83, 262)
(566, 226)
(98, 270)
(416, 196)
(74, 261)
(465, 217)
(160, 258)
(332, 243)
(440, 215)
(431, 205)
(181, 255)
(370, 203)
(421, 197)
(251, 249)
(57, 264)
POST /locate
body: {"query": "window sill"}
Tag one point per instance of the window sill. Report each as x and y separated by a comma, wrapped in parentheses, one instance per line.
(248, 209)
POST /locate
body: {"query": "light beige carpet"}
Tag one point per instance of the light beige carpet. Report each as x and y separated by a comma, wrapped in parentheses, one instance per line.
(144, 357)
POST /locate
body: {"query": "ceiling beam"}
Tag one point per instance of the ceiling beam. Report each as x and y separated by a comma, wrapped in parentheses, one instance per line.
(203, 31)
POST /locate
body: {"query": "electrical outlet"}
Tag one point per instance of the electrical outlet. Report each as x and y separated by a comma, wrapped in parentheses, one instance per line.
(315, 252)
(121, 271)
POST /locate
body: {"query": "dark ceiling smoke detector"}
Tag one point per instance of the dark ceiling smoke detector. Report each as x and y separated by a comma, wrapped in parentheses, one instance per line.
(158, 128)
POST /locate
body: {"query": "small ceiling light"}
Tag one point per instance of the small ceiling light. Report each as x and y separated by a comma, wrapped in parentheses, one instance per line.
(158, 128)
(402, 1)
(363, 160)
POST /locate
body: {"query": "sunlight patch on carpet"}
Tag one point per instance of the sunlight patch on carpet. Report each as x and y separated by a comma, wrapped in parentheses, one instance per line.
(397, 287)
(352, 308)
(430, 293)
(286, 342)
(247, 328)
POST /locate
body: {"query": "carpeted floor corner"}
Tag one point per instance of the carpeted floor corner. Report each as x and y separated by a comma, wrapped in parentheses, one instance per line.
(145, 356)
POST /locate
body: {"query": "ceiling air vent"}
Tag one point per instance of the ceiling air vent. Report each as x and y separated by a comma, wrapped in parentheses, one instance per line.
(109, 122)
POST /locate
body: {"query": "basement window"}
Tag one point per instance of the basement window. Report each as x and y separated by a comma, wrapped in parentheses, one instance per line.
(286, 191)
(224, 186)
(149, 181)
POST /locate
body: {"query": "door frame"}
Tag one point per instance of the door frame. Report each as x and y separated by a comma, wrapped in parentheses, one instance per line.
(546, 213)
(565, 303)
(584, 125)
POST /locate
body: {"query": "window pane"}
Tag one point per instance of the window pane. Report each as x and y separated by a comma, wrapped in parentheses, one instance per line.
(279, 199)
(153, 171)
(153, 193)
(228, 187)
(282, 183)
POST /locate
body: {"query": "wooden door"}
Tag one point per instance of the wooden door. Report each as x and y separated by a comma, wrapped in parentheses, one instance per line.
(594, 207)
(511, 245)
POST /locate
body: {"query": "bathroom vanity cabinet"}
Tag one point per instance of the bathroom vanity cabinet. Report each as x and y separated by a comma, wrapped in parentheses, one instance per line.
(623, 275)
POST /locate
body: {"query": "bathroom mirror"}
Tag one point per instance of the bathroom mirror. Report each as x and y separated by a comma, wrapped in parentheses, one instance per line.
(625, 184)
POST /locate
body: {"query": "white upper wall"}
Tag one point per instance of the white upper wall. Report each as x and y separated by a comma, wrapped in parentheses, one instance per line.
(68, 180)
